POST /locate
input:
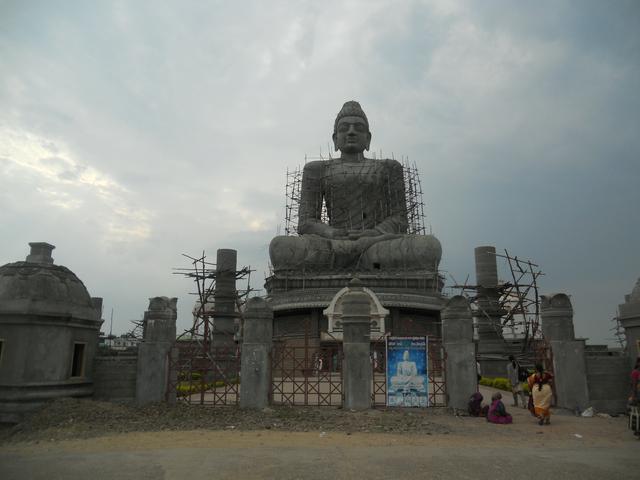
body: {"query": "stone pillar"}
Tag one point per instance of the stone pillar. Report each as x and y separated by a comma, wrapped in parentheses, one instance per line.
(40, 252)
(256, 347)
(569, 364)
(629, 316)
(457, 335)
(557, 317)
(159, 334)
(225, 296)
(97, 305)
(356, 368)
(489, 325)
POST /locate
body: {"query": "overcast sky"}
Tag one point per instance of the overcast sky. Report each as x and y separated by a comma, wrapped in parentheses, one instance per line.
(133, 131)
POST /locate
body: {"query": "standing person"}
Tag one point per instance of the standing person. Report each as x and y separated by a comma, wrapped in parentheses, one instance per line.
(540, 388)
(497, 413)
(634, 398)
(513, 374)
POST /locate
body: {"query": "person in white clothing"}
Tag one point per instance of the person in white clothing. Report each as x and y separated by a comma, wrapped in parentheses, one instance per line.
(513, 374)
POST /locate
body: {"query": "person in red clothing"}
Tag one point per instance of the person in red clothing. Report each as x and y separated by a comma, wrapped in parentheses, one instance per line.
(635, 383)
(542, 394)
(634, 399)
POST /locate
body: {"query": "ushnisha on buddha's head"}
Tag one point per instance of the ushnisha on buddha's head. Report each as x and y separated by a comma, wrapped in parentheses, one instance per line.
(351, 133)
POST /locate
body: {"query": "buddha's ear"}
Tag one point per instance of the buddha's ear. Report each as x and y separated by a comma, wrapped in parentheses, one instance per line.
(335, 145)
(368, 141)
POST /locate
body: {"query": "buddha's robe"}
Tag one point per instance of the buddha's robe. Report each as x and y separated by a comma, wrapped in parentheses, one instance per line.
(365, 197)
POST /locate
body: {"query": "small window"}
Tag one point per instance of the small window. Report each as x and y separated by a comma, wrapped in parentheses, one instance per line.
(77, 365)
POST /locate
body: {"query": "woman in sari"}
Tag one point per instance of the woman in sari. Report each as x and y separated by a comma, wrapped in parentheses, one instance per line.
(634, 398)
(540, 390)
(497, 413)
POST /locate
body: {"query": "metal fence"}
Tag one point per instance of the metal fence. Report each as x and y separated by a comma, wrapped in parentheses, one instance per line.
(201, 376)
(306, 374)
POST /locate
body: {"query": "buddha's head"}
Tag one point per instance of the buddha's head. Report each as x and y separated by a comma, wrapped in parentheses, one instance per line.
(351, 133)
(405, 355)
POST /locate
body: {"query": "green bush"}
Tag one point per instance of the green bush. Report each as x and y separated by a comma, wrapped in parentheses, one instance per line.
(501, 383)
(487, 382)
(188, 388)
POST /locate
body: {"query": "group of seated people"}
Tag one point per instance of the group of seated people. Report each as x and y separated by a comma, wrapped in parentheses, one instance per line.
(495, 413)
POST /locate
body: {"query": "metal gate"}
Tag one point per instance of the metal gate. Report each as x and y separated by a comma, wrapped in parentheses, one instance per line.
(204, 362)
(306, 374)
(204, 375)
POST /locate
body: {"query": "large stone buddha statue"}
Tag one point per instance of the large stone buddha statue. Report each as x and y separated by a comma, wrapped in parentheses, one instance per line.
(366, 209)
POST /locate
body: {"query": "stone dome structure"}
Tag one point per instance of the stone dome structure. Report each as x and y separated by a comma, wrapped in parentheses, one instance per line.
(37, 286)
(49, 327)
(634, 297)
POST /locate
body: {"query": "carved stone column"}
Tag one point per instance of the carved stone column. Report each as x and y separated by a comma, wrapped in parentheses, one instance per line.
(256, 348)
(489, 326)
(569, 364)
(457, 333)
(159, 334)
(356, 373)
(225, 296)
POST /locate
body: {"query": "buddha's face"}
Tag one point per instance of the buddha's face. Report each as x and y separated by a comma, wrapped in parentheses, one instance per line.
(352, 135)
(405, 355)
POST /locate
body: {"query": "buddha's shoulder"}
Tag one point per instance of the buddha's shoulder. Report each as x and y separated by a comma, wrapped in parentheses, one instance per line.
(315, 165)
(390, 163)
(320, 165)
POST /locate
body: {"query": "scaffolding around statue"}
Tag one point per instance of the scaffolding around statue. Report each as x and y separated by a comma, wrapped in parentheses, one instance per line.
(412, 188)
(411, 295)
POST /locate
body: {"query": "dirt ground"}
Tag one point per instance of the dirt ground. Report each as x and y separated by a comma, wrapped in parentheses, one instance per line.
(70, 438)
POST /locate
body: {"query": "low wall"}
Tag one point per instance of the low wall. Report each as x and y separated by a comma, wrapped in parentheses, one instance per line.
(114, 377)
(608, 382)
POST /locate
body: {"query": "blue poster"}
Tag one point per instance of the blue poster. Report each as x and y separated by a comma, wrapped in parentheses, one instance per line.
(407, 379)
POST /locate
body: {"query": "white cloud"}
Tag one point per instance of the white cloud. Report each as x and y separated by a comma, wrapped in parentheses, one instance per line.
(62, 181)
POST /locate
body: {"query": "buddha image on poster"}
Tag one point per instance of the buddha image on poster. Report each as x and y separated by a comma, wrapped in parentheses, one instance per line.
(407, 380)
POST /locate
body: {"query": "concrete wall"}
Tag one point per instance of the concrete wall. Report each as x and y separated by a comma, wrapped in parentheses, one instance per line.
(609, 382)
(114, 377)
(37, 361)
(569, 369)
(39, 349)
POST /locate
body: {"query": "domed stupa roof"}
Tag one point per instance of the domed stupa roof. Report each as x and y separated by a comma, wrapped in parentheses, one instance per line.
(37, 286)
(635, 294)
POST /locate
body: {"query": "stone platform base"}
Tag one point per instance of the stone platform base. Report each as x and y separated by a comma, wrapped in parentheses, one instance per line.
(18, 400)
(414, 301)
(421, 291)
